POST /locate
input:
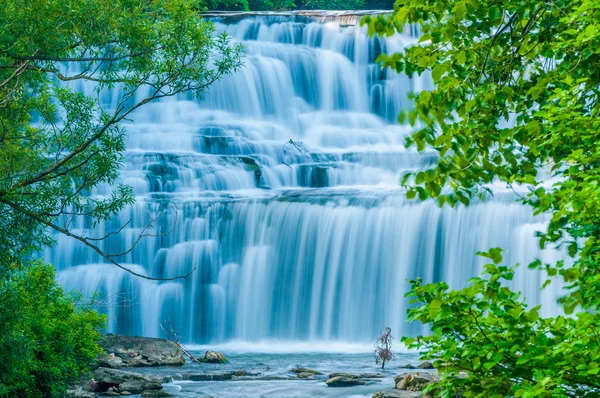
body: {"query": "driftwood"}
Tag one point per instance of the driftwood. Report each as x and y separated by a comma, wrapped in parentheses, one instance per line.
(168, 330)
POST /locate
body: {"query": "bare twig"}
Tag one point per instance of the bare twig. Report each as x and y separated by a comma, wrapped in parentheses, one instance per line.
(172, 335)
(86, 242)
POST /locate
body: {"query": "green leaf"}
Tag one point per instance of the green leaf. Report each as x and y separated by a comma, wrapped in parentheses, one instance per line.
(437, 73)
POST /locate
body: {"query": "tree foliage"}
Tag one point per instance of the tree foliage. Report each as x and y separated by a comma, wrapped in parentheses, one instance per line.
(334, 4)
(246, 5)
(47, 340)
(515, 102)
(58, 143)
(275, 5)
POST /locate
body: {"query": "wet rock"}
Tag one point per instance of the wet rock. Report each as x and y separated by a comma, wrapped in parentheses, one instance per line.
(408, 366)
(313, 176)
(214, 357)
(426, 365)
(267, 378)
(306, 375)
(111, 361)
(125, 351)
(207, 376)
(219, 376)
(115, 380)
(91, 385)
(110, 394)
(156, 393)
(299, 369)
(79, 392)
(340, 381)
(415, 381)
(371, 376)
(252, 166)
(358, 376)
(239, 373)
(393, 393)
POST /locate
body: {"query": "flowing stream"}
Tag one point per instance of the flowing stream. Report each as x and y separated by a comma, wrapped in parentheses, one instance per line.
(281, 187)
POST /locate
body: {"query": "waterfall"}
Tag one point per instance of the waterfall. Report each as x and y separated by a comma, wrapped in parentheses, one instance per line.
(281, 187)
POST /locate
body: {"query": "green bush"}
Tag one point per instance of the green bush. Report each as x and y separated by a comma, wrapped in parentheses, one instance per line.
(47, 340)
(333, 4)
(276, 5)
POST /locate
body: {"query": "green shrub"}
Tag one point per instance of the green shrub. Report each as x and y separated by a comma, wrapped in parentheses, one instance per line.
(333, 4)
(47, 340)
(276, 5)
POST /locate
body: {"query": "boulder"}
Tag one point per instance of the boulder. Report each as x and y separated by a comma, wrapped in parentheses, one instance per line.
(239, 373)
(426, 365)
(408, 366)
(267, 378)
(340, 381)
(358, 376)
(393, 393)
(218, 376)
(111, 392)
(79, 392)
(111, 361)
(120, 380)
(125, 351)
(214, 357)
(299, 369)
(156, 393)
(415, 381)
(207, 376)
(306, 375)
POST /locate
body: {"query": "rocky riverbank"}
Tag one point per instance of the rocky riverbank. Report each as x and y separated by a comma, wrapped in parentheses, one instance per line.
(132, 351)
(144, 367)
(109, 378)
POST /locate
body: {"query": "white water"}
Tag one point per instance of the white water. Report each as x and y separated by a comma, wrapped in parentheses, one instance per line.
(308, 243)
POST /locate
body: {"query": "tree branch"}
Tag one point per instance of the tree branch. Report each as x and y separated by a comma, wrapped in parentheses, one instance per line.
(85, 241)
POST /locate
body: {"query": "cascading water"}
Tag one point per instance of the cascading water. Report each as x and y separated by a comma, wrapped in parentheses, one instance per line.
(310, 239)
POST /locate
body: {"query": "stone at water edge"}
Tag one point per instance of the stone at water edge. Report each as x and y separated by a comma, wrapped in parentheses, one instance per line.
(214, 357)
(122, 380)
(216, 376)
(156, 394)
(306, 375)
(240, 373)
(207, 376)
(408, 366)
(358, 376)
(111, 392)
(415, 381)
(111, 361)
(126, 351)
(393, 393)
(299, 369)
(79, 392)
(340, 381)
(426, 365)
